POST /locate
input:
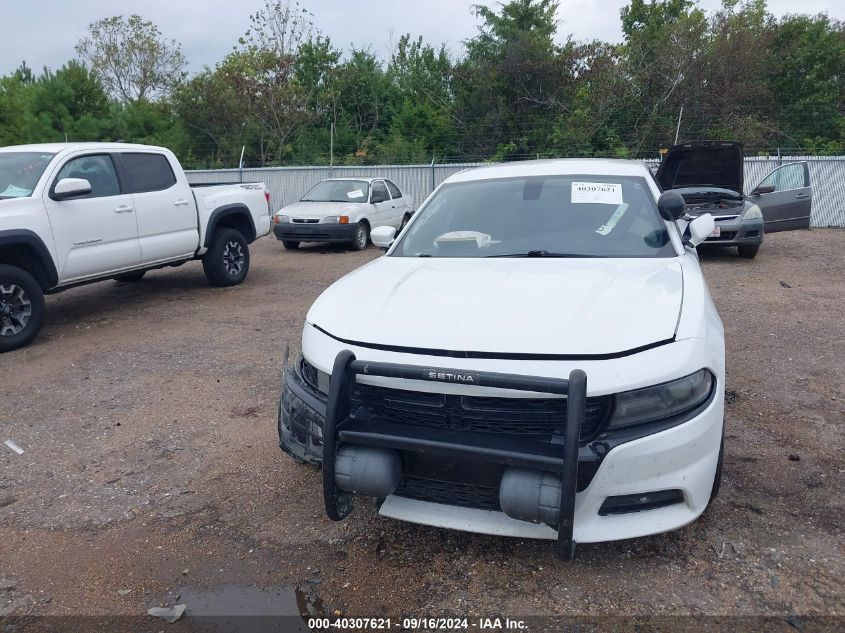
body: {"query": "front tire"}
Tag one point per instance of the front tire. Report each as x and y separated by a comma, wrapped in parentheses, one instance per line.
(291, 246)
(227, 261)
(405, 219)
(21, 308)
(748, 251)
(362, 237)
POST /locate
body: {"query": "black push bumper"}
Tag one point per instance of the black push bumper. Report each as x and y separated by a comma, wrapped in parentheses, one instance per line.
(341, 427)
(295, 232)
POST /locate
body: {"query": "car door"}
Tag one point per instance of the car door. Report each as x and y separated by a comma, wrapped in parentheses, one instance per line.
(164, 206)
(400, 204)
(381, 203)
(785, 198)
(94, 234)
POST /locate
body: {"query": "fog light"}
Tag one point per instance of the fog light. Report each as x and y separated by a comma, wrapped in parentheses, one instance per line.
(624, 504)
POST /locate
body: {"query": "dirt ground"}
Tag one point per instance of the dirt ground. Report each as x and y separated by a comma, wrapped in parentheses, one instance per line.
(147, 413)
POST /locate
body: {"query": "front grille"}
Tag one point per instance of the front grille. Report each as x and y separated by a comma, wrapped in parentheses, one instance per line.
(469, 484)
(449, 492)
(305, 220)
(539, 419)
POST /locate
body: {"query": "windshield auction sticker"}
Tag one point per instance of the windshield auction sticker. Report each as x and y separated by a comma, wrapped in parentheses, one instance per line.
(596, 193)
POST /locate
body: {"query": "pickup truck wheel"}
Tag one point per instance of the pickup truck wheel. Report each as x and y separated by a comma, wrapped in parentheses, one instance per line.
(21, 308)
(748, 251)
(362, 237)
(227, 261)
(291, 246)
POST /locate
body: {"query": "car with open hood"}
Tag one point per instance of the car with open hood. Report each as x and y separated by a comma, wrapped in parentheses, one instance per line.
(537, 356)
(710, 177)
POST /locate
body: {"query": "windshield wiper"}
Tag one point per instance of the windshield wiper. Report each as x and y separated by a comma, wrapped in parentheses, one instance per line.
(542, 253)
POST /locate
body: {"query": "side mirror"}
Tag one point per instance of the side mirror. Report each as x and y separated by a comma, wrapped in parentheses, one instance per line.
(68, 188)
(377, 198)
(671, 206)
(701, 228)
(383, 236)
(761, 189)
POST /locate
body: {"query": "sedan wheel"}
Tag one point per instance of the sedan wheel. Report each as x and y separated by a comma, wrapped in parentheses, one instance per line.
(362, 237)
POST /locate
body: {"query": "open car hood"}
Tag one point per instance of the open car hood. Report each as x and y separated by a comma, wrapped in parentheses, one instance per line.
(702, 163)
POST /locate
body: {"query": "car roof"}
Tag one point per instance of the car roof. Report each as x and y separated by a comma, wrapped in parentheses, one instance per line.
(55, 148)
(364, 178)
(553, 167)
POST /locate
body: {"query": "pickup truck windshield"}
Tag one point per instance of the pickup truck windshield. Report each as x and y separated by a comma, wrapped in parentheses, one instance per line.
(339, 191)
(20, 172)
(540, 216)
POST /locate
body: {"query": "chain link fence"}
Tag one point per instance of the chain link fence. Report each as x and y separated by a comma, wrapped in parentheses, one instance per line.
(289, 184)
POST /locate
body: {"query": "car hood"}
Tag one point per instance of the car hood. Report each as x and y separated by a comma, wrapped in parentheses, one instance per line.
(317, 209)
(714, 163)
(536, 306)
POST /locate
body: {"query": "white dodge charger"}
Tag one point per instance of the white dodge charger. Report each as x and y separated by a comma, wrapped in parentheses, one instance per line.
(536, 355)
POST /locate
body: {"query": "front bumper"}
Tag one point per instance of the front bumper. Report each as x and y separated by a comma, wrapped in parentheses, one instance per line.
(669, 455)
(736, 232)
(295, 232)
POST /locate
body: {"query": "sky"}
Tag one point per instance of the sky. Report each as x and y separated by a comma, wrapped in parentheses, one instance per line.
(44, 32)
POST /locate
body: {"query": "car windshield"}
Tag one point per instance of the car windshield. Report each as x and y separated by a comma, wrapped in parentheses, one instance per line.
(20, 172)
(339, 191)
(540, 216)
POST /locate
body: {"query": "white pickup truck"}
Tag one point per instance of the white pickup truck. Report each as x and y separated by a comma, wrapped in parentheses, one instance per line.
(75, 213)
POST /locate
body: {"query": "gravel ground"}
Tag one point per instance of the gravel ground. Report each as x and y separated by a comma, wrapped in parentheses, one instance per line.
(147, 415)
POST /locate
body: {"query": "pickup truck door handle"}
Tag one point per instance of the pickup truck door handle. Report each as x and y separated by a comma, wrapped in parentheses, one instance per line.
(124, 208)
(181, 202)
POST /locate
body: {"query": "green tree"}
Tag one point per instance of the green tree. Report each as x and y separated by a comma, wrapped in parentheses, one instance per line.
(133, 59)
(807, 65)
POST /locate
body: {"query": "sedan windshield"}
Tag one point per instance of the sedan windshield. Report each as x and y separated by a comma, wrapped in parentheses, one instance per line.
(542, 216)
(20, 172)
(339, 191)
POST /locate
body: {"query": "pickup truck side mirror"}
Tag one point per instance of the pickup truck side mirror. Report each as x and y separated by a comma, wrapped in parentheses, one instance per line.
(761, 189)
(383, 236)
(671, 205)
(68, 188)
(701, 228)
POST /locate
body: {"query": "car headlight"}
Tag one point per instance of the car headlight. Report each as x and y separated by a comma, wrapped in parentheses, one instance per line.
(661, 401)
(336, 219)
(753, 213)
(281, 218)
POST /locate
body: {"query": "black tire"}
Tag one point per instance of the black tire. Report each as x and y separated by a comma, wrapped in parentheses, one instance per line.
(227, 261)
(21, 308)
(748, 251)
(136, 275)
(362, 237)
(405, 219)
(717, 479)
(291, 246)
